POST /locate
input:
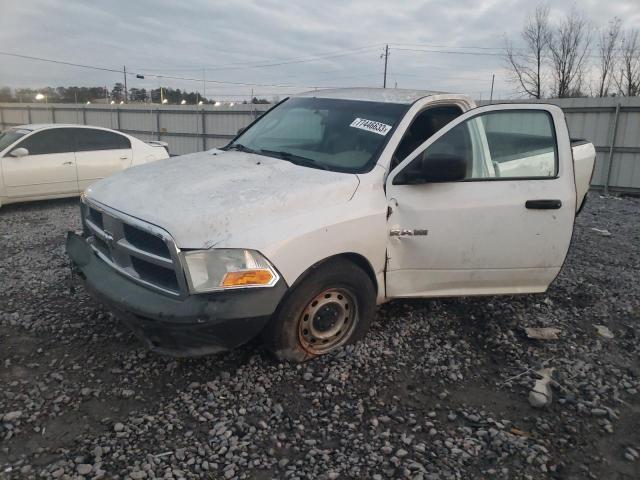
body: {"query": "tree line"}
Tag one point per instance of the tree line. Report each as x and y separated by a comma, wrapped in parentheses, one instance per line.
(104, 95)
(556, 57)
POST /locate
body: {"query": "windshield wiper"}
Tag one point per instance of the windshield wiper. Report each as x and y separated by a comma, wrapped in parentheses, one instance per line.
(295, 159)
(241, 148)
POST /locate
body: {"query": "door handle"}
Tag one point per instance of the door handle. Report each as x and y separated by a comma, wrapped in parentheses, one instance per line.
(68, 163)
(124, 157)
(543, 204)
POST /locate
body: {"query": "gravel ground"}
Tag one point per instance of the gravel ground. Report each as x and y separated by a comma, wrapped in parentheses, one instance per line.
(438, 390)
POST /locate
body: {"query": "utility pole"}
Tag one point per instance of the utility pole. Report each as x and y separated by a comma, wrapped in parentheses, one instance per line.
(386, 58)
(126, 92)
(204, 84)
(493, 78)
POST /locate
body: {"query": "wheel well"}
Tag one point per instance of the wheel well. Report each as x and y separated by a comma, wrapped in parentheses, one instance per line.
(356, 258)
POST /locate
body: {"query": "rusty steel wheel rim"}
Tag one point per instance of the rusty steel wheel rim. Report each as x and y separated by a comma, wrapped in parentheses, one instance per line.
(328, 320)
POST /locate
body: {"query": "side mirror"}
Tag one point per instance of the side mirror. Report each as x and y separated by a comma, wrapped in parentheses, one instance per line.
(19, 152)
(443, 167)
(437, 168)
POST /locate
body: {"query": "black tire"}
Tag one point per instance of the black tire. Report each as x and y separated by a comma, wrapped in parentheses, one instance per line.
(347, 289)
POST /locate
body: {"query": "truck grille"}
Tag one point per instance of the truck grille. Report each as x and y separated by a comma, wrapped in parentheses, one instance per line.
(138, 250)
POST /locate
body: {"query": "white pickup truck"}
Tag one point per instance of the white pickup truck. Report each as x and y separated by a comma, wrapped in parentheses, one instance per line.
(330, 203)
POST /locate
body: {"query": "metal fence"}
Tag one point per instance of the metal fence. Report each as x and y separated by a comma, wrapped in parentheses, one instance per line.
(186, 128)
(611, 124)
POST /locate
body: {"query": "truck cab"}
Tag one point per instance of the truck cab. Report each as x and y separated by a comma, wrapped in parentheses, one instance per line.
(330, 203)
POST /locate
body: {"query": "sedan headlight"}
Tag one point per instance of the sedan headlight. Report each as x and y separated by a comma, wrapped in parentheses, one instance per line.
(227, 268)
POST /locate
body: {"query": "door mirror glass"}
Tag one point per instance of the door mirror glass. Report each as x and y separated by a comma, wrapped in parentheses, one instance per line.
(443, 167)
(19, 152)
(433, 167)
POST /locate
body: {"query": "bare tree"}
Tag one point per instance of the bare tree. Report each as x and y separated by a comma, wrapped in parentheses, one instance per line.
(608, 42)
(628, 79)
(527, 66)
(569, 47)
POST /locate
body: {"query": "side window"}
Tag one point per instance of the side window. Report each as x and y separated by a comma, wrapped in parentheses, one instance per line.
(496, 145)
(89, 139)
(54, 140)
(521, 143)
(423, 126)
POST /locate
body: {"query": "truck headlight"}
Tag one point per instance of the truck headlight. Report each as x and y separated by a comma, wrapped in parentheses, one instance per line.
(227, 268)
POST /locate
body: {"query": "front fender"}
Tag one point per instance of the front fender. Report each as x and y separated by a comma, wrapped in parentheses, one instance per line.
(357, 227)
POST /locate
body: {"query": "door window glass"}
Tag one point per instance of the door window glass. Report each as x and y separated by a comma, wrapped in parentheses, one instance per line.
(10, 136)
(499, 145)
(89, 139)
(423, 126)
(54, 140)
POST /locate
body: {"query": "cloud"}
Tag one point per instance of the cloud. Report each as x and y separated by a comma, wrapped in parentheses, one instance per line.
(183, 38)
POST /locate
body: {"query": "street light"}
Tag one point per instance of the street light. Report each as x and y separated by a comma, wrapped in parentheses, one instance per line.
(200, 102)
(121, 102)
(88, 102)
(183, 102)
(40, 96)
(164, 100)
(112, 102)
(217, 104)
(231, 104)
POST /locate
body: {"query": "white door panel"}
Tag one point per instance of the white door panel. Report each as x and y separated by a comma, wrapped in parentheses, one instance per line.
(453, 283)
(477, 236)
(100, 153)
(40, 175)
(48, 170)
(95, 165)
(481, 242)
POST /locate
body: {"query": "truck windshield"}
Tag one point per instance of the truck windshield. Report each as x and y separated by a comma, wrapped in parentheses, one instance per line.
(331, 134)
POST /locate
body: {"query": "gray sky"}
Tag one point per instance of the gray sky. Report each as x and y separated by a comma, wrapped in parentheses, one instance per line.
(240, 41)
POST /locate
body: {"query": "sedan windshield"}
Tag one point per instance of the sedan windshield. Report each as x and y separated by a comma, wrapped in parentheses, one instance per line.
(331, 134)
(10, 136)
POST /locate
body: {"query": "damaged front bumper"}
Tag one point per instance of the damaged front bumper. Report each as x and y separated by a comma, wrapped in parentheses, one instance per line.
(179, 326)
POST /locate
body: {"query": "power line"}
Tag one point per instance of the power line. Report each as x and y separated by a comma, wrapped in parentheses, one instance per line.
(60, 62)
(428, 49)
(160, 76)
(250, 65)
(259, 64)
(449, 47)
(450, 52)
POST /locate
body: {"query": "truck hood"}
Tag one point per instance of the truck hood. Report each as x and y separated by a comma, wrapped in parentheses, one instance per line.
(206, 199)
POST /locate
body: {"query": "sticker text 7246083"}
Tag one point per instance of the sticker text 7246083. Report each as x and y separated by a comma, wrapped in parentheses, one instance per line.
(371, 126)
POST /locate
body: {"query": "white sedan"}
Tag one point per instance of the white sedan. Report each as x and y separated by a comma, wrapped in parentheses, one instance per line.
(56, 160)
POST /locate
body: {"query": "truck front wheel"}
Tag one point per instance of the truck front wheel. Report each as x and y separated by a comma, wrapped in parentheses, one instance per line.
(331, 307)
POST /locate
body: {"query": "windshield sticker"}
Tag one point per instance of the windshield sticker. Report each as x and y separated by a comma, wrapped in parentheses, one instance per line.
(371, 126)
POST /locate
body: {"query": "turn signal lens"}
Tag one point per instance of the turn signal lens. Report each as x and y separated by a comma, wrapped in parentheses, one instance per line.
(247, 277)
